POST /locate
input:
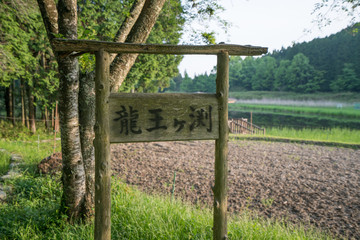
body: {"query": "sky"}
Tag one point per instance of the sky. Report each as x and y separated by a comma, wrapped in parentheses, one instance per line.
(273, 24)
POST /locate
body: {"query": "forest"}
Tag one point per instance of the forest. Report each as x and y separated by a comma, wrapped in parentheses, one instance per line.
(29, 83)
(322, 65)
(29, 80)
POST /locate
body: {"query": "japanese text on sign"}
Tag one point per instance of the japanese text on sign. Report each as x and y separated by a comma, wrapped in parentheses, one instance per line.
(140, 117)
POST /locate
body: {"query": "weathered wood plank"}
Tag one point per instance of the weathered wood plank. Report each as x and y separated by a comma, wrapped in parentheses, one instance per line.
(102, 149)
(163, 117)
(69, 45)
(221, 149)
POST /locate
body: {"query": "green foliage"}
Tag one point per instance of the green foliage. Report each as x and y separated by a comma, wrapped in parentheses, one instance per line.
(202, 16)
(209, 38)
(100, 20)
(21, 133)
(200, 83)
(301, 76)
(337, 8)
(304, 68)
(241, 72)
(263, 74)
(25, 52)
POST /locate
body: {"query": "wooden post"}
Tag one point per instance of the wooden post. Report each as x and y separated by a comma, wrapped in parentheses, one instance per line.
(221, 149)
(251, 125)
(102, 149)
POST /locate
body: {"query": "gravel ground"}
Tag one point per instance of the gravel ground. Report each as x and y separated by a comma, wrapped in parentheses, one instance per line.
(303, 183)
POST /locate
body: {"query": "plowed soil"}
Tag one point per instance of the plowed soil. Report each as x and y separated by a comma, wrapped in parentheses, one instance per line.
(306, 184)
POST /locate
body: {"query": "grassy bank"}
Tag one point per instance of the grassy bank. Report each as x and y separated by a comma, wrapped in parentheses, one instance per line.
(340, 135)
(31, 211)
(333, 136)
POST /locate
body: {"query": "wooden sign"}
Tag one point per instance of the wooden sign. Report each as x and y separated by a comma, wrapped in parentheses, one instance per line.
(158, 117)
(137, 117)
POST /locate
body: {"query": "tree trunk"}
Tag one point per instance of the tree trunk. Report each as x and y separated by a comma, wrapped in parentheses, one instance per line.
(52, 119)
(32, 120)
(23, 113)
(87, 122)
(56, 121)
(122, 63)
(8, 102)
(26, 109)
(73, 167)
(128, 23)
(13, 103)
(47, 125)
(78, 195)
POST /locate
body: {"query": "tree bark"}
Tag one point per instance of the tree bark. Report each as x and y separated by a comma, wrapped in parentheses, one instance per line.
(13, 102)
(23, 113)
(49, 14)
(32, 122)
(8, 102)
(87, 121)
(46, 118)
(122, 63)
(52, 119)
(73, 168)
(128, 23)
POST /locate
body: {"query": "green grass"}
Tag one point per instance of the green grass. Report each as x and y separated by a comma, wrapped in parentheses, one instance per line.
(30, 151)
(4, 162)
(333, 135)
(348, 112)
(31, 212)
(340, 97)
(340, 135)
(21, 133)
(31, 146)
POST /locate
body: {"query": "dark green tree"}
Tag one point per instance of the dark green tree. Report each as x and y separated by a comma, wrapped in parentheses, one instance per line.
(25, 55)
(186, 84)
(327, 54)
(282, 76)
(302, 77)
(265, 74)
(347, 80)
(235, 73)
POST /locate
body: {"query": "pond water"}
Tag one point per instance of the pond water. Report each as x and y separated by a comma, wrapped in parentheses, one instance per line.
(307, 103)
(295, 121)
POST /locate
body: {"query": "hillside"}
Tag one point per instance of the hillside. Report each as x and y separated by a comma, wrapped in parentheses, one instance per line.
(328, 54)
(328, 64)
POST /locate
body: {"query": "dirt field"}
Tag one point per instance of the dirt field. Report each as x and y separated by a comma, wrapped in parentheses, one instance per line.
(302, 183)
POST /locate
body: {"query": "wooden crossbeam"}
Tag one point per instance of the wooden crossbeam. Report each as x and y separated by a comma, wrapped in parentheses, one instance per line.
(90, 46)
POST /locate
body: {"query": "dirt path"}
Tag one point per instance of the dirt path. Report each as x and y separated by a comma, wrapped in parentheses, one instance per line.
(303, 183)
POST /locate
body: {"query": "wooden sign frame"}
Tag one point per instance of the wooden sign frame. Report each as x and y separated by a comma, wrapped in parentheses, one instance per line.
(106, 118)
